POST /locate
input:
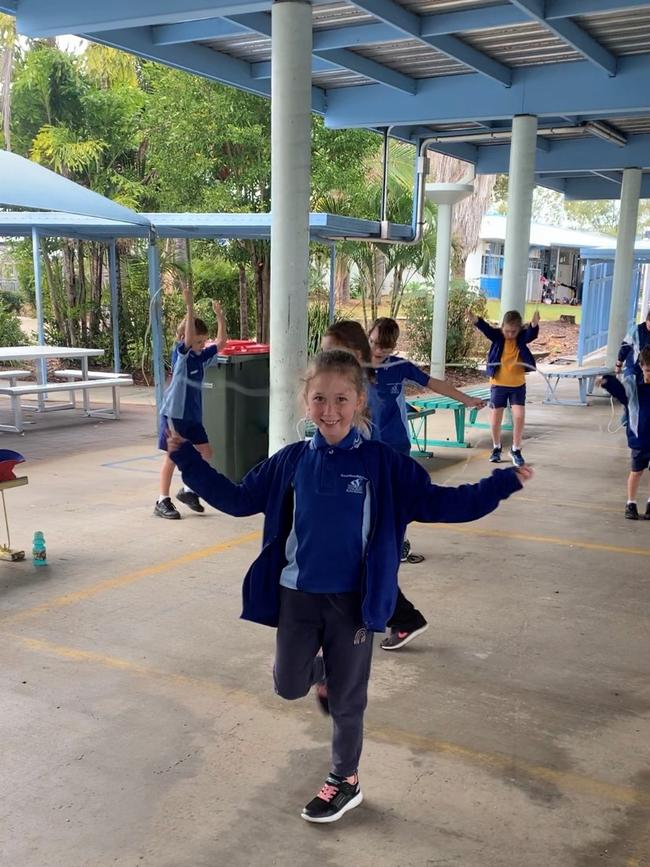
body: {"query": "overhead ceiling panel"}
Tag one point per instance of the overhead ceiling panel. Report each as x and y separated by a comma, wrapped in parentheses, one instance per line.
(413, 58)
(338, 15)
(432, 7)
(522, 45)
(251, 47)
(623, 33)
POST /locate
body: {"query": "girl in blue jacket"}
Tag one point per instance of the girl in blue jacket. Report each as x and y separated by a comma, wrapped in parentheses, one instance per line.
(344, 495)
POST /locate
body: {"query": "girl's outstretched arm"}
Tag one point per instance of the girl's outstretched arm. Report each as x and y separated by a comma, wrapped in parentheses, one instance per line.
(614, 386)
(421, 500)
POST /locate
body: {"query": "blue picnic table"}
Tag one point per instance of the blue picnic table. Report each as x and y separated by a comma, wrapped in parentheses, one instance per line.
(422, 407)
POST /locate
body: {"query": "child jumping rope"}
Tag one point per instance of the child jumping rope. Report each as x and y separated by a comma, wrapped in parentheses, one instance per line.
(509, 358)
(327, 601)
(183, 402)
(634, 393)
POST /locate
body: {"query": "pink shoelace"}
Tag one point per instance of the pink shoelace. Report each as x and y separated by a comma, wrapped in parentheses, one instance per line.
(328, 792)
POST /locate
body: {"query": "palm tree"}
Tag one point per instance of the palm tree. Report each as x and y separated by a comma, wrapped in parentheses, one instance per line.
(7, 47)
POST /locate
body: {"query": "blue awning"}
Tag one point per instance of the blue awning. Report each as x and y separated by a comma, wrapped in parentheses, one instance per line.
(25, 184)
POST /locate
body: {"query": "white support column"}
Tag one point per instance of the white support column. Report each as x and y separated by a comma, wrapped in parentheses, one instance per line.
(445, 196)
(521, 182)
(290, 187)
(645, 298)
(624, 263)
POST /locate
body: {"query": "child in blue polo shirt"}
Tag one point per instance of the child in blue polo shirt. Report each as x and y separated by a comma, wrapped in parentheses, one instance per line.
(183, 403)
(391, 375)
(634, 393)
(337, 499)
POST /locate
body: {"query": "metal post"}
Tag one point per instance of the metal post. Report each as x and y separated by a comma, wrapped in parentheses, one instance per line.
(115, 313)
(521, 182)
(645, 298)
(155, 314)
(441, 291)
(332, 295)
(623, 263)
(290, 188)
(38, 291)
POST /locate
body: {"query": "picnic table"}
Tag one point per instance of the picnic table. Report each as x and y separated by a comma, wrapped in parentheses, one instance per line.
(464, 417)
(586, 378)
(81, 380)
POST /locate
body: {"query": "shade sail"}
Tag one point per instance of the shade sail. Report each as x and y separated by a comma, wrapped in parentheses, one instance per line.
(25, 184)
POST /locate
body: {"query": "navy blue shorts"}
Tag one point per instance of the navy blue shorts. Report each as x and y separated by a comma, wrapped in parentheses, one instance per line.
(502, 395)
(189, 430)
(640, 460)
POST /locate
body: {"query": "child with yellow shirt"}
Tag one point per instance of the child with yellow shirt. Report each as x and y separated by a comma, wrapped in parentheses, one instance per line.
(509, 358)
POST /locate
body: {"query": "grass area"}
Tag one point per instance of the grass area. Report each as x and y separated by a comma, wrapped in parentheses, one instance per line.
(547, 312)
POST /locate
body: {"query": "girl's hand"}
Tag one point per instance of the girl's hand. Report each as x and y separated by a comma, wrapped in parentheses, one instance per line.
(218, 309)
(525, 474)
(535, 319)
(476, 403)
(174, 441)
(472, 318)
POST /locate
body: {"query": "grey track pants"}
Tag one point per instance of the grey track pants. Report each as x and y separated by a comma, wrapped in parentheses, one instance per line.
(332, 622)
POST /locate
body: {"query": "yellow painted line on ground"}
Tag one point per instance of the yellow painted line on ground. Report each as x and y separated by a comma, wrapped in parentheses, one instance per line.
(130, 578)
(570, 504)
(543, 540)
(383, 734)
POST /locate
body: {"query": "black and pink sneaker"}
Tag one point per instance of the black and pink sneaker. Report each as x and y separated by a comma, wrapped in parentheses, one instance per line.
(333, 801)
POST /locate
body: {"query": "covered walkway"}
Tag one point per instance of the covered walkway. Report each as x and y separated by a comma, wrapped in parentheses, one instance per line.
(140, 724)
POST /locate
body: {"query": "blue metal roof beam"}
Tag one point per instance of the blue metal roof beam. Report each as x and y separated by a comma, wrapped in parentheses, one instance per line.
(410, 25)
(572, 88)
(573, 155)
(261, 23)
(45, 18)
(582, 189)
(572, 34)
(196, 31)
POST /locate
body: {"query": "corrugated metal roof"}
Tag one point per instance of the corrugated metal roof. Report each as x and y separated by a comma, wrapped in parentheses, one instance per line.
(427, 7)
(337, 15)
(622, 32)
(249, 46)
(413, 58)
(631, 125)
(522, 45)
(339, 78)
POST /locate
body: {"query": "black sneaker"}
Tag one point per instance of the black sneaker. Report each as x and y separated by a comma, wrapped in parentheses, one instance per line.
(647, 512)
(495, 457)
(189, 498)
(399, 638)
(406, 550)
(517, 457)
(166, 509)
(334, 799)
(632, 512)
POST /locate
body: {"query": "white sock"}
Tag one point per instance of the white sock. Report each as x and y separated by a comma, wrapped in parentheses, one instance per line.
(633, 502)
(163, 497)
(496, 445)
(516, 448)
(187, 490)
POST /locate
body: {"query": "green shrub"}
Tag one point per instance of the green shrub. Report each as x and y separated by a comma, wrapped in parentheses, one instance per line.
(463, 340)
(11, 300)
(11, 334)
(317, 324)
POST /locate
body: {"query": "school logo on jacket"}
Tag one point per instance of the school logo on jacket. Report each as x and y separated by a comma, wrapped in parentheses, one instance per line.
(360, 636)
(356, 485)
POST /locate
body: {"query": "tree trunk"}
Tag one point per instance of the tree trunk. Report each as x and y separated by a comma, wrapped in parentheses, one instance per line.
(243, 302)
(69, 282)
(96, 274)
(262, 270)
(83, 293)
(53, 288)
(342, 279)
(266, 291)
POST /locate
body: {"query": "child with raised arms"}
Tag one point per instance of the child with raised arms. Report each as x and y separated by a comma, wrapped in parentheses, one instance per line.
(183, 402)
(336, 508)
(508, 361)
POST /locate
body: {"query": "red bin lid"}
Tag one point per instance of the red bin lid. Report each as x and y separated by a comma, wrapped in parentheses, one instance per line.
(245, 347)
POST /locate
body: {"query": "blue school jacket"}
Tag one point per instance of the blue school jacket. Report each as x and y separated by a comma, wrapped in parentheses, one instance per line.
(400, 490)
(525, 336)
(633, 344)
(634, 394)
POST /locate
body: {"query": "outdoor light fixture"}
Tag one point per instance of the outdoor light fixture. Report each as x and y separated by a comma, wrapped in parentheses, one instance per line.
(603, 130)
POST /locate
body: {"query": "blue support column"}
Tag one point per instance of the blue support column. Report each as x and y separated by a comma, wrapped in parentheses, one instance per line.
(332, 295)
(155, 314)
(115, 313)
(38, 290)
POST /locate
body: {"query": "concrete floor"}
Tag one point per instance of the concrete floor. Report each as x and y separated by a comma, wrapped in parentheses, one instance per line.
(137, 716)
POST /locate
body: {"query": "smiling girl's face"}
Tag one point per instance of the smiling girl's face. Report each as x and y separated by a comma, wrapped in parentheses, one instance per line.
(332, 403)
